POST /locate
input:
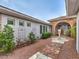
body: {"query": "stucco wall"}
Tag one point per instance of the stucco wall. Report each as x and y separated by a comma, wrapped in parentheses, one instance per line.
(24, 30)
(0, 18)
(77, 40)
(71, 22)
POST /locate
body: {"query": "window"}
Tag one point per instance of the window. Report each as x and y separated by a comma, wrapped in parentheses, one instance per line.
(46, 28)
(43, 28)
(40, 29)
(10, 21)
(50, 28)
(0, 26)
(21, 23)
(28, 24)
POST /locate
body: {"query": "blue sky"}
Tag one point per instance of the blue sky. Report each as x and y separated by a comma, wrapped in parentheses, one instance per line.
(41, 9)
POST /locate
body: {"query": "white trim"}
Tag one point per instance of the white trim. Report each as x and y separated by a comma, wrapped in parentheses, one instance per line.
(77, 40)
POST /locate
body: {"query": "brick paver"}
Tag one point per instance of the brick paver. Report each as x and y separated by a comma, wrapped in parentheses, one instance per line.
(68, 51)
(26, 52)
(51, 49)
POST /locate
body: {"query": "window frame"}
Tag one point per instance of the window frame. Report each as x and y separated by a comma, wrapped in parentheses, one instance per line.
(44, 29)
(9, 20)
(41, 28)
(21, 23)
(28, 24)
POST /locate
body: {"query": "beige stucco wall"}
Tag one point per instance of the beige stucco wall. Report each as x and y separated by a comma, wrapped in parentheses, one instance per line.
(69, 21)
(0, 22)
(0, 18)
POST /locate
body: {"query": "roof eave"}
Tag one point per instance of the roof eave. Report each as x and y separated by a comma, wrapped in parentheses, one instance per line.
(10, 12)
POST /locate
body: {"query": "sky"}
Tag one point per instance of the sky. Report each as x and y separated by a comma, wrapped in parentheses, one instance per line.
(41, 9)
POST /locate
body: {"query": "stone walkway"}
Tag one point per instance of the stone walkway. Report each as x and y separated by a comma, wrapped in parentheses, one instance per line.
(68, 51)
(55, 48)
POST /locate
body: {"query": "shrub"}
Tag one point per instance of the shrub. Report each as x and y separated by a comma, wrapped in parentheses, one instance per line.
(46, 35)
(32, 37)
(7, 39)
(73, 32)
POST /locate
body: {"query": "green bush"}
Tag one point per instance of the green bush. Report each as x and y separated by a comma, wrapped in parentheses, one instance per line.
(32, 37)
(46, 35)
(7, 39)
(73, 32)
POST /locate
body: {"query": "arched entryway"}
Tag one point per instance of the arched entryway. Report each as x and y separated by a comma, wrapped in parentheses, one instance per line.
(63, 26)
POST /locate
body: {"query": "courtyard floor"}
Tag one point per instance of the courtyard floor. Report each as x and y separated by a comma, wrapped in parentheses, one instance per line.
(55, 48)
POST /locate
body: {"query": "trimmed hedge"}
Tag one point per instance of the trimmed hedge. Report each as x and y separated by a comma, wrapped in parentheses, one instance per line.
(46, 35)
